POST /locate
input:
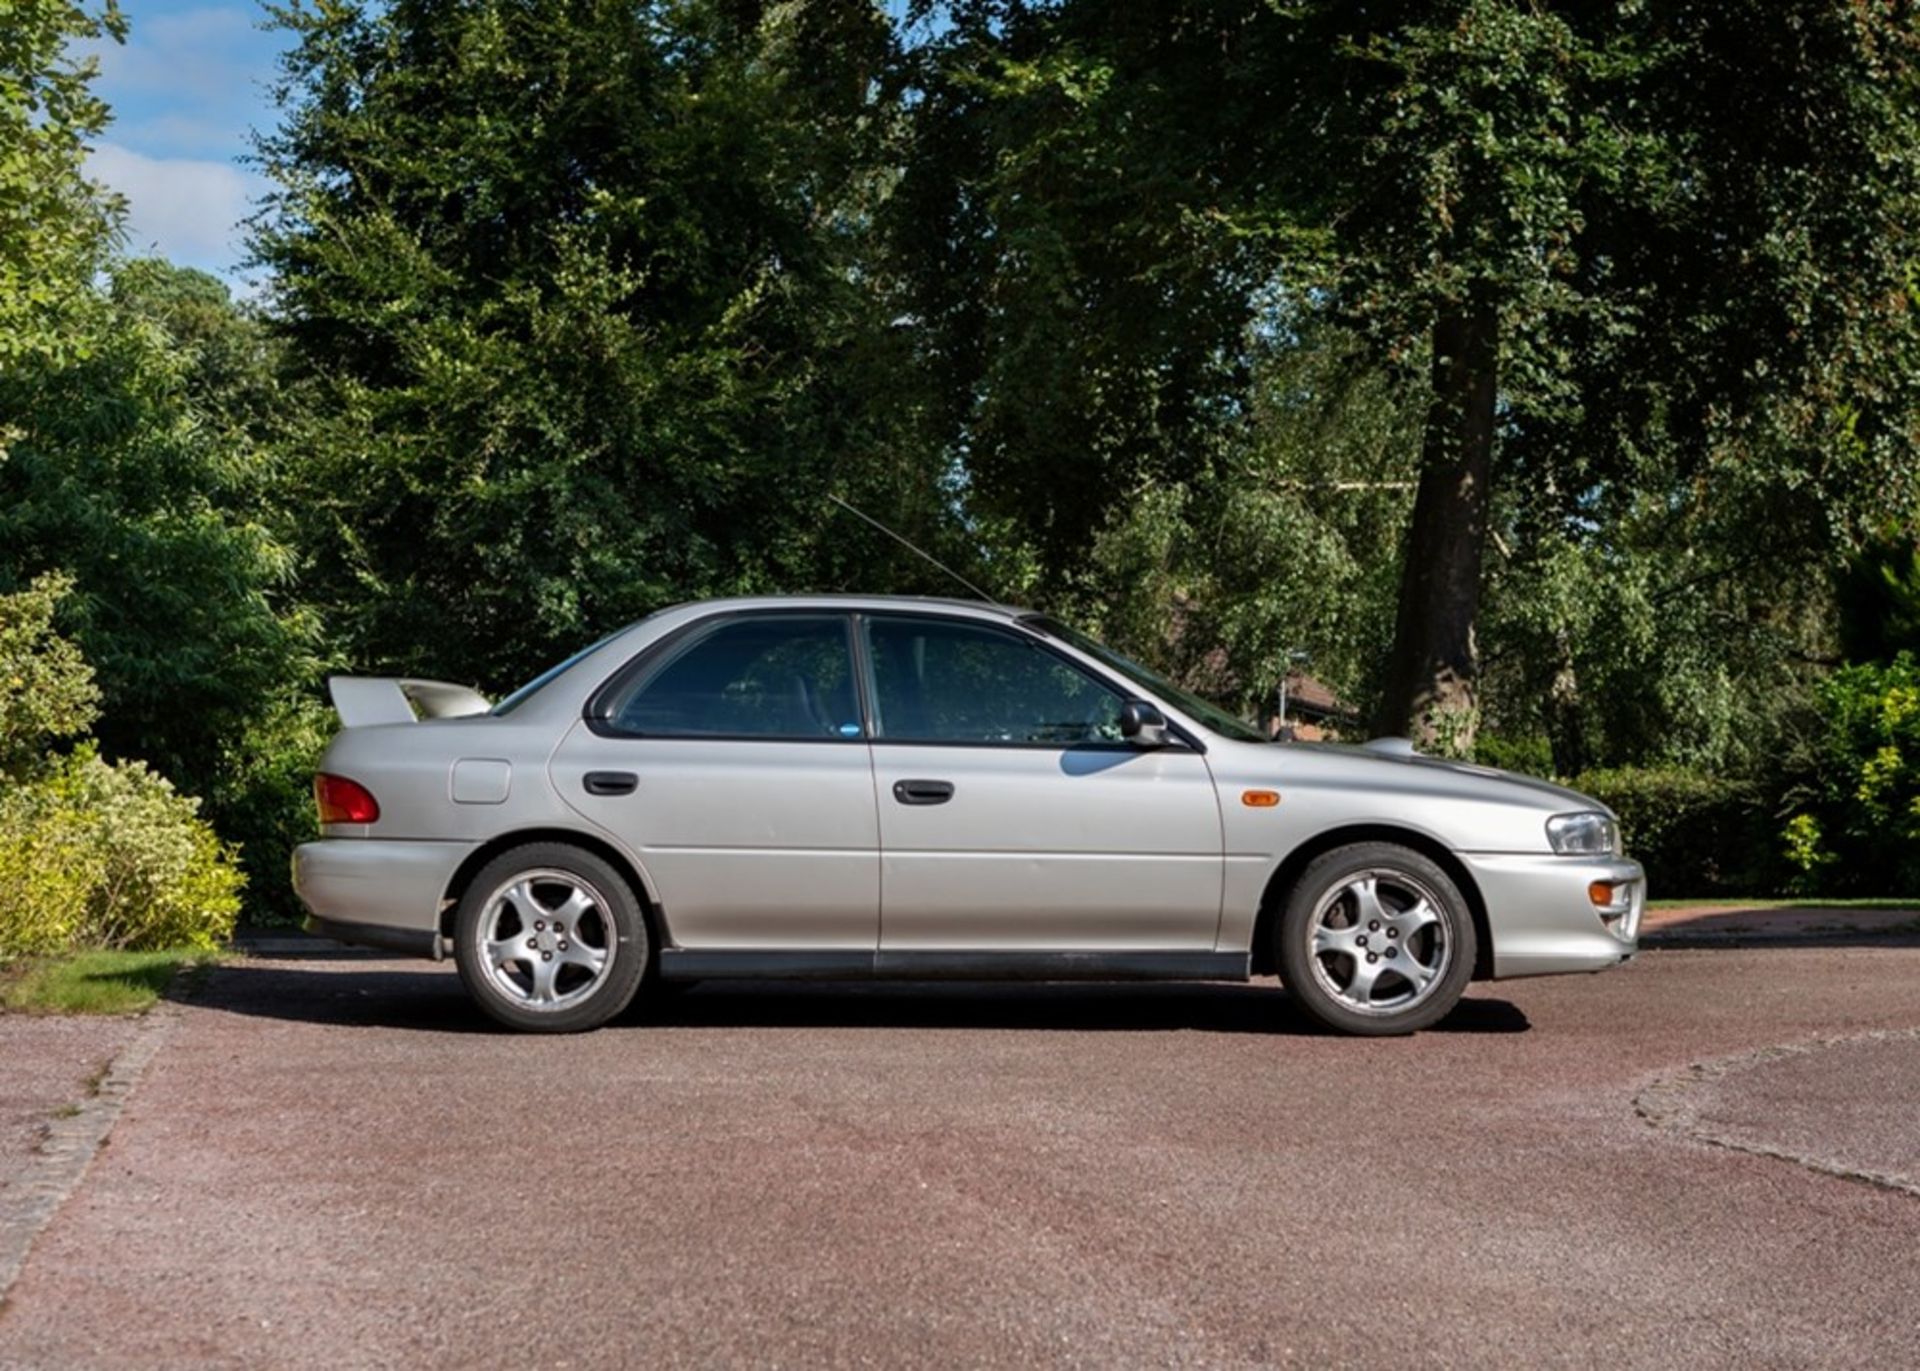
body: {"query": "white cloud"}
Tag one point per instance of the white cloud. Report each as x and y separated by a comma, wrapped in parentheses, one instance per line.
(185, 209)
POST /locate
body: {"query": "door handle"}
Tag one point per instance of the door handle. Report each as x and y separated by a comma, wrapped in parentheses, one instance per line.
(610, 782)
(923, 792)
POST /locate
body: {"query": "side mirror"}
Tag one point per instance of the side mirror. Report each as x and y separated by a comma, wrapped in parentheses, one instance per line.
(1142, 724)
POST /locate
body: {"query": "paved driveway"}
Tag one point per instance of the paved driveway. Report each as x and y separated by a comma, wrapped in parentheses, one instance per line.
(337, 1163)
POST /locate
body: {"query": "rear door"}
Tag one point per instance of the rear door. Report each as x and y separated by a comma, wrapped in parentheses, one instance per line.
(1013, 817)
(735, 763)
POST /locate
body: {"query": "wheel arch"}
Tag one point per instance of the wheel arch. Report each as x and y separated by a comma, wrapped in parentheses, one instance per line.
(1273, 899)
(588, 842)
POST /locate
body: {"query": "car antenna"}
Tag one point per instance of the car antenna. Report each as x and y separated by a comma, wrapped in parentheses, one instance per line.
(914, 548)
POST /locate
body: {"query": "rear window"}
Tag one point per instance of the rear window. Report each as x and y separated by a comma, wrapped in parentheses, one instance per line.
(547, 677)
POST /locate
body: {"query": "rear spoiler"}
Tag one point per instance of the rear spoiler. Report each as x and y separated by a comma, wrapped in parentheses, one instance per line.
(364, 700)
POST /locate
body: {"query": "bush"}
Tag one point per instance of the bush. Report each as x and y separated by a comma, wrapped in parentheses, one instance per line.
(46, 688)
(264, 804)
(92, 853)
(1696, 834)
(48, 870)
(1530, 756)
(1855, 825)
(100, 854)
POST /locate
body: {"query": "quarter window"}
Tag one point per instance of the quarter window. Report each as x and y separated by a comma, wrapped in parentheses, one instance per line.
(945, 682)
(778, 676)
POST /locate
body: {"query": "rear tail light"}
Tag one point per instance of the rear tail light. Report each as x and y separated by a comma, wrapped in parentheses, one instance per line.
(344, 802)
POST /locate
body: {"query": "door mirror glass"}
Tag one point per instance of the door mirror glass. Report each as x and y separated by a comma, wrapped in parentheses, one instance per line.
(1142, 724)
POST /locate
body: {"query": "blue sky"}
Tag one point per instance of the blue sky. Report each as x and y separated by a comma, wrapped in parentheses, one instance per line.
(186, 88)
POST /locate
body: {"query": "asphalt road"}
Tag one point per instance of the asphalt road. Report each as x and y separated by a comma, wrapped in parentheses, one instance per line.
(339, 1164)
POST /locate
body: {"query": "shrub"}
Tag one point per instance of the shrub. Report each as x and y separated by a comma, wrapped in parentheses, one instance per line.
(101, 854)
(1530, 756)
(1696, 834)
(92, 853)
(46, 687)
(1855, 824)
(48, 870)
(264, 805)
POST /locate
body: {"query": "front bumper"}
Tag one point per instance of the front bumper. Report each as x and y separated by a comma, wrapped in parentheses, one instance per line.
(1542, 919)
(378, 892)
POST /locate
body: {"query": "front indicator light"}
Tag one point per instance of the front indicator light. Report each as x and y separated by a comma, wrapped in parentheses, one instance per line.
(342, 801)
(1610, 899)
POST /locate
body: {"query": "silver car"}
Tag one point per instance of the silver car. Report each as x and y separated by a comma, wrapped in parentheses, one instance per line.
(841, 787)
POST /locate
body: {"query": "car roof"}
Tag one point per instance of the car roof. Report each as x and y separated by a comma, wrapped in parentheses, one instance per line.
(985, 608)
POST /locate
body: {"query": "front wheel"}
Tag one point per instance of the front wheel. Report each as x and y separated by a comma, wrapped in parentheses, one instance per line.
(550, 939)
(1375, 939)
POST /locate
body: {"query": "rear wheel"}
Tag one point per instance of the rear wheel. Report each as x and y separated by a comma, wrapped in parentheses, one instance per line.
(549, 938)
(1375, 939)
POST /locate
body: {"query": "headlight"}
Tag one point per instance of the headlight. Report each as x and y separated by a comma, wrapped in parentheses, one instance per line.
(1588, 834)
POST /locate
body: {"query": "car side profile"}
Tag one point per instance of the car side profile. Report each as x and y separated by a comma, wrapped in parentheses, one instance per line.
(851, 787)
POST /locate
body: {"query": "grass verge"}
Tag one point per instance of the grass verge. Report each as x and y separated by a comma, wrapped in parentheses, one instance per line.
(1810, 902)
(95, 982)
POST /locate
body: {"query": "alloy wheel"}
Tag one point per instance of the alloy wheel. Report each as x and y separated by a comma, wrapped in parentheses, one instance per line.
(546, 940)
(1379, 942)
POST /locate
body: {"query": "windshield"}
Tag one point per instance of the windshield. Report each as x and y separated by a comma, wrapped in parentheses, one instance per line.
(538, 683)
(1212, 716)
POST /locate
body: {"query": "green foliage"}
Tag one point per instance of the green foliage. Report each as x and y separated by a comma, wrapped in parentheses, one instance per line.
(92, 853)
(1655, 645)
(49, 868)
(1708, 353)
(1856, 823)
(1528, 755)
(577, 315)
(99, 854)
(1077, 299)
(130, 474)
(54, 224)
(47, 692)
(1696, 833)
(144, 468)
(1879, 599)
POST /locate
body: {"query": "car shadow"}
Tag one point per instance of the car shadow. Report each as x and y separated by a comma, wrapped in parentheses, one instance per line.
(430, 999)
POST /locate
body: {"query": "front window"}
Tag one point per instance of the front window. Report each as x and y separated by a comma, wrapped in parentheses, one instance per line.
(1186, 701)
(773, 676)
(940, 681)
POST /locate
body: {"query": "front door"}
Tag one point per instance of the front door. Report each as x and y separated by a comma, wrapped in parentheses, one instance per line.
(1013, 817)
(737, 768)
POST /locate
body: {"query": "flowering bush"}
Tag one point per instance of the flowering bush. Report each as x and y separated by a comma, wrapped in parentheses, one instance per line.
(92, 853)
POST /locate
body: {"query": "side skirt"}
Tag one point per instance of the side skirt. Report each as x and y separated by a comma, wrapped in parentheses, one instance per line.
(692, 964)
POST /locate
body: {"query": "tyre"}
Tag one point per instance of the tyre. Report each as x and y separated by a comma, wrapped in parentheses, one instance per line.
(1375, 939)
(550, 939)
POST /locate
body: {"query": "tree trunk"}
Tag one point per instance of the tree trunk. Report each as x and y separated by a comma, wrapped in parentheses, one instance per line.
(1430, 687)
(1566, 726)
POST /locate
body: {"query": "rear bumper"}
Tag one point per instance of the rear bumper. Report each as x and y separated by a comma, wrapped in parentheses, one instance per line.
(1542, 919)
(377, 892)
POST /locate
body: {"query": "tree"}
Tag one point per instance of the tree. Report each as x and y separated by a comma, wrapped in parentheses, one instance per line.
(143, 468)
(55, 225)
(1079, 306)
(1879, 593)
(1629, 285)
(575, 308)
(1617, 289)
(134, 472)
